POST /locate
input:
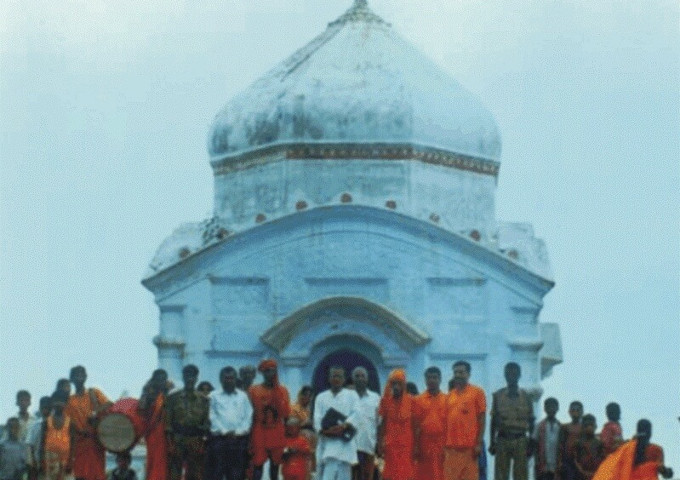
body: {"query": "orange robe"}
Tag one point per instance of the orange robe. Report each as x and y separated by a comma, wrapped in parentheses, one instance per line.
(156, 446)
(431, 423)
(271, 406)
(296, 466)
(619, 465)
(398, 417)
(57, 449)
(89, 455)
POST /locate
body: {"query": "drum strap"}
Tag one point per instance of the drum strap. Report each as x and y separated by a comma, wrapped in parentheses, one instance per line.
(93, 401)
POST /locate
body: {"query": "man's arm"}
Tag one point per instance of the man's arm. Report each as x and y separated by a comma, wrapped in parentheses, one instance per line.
(481, 424)
(380, 447)
(532, 447)
(493, 427)
(246, 421)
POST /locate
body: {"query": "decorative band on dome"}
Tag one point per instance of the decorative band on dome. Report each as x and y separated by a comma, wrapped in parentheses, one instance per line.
(349, 151)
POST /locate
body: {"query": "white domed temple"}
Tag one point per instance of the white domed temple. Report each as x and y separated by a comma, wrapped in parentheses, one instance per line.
(354, 223)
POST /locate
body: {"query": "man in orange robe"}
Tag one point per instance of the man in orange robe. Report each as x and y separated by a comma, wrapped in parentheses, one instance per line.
(83, 408)
(430, 430)
(465, 422)
(152, 407)
(271, 408)
(395, 435)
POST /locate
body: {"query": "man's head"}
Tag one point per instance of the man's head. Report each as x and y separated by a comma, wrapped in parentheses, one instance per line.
(228, 379)
(433, 378)
(159, 380)
(461, 373)
(64, 384)
(588, 424)
(13, 428)
(397, 382)
(360, 378)
(575, 411)
(205, 387)
(512, 373)
(551, 406)
(336, 378)
(247, 374)
(190, 376)
(613, 411)
(45, 406)
(269, 370)
(59, 399)
(78, 375)
(23, 400)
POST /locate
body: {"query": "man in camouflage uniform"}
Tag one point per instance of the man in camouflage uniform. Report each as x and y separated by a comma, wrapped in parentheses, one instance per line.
(187, 427)
(512, 421)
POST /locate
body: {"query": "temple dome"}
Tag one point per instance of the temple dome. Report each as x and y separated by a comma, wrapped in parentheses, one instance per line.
(358, 82)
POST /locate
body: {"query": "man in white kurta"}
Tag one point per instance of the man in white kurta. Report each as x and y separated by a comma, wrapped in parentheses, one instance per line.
(367, 429)
(335, 455)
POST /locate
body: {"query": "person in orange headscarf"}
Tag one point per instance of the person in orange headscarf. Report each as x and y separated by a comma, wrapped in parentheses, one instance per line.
(271, 408)
(152, 407)
(637, 459)
(83, 408)
(395, 434)
(430, 431)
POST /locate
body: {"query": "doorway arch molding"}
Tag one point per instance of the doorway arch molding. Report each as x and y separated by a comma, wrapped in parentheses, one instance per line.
(347, 320)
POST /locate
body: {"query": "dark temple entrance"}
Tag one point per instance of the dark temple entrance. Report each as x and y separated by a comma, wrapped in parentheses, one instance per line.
(349, 360)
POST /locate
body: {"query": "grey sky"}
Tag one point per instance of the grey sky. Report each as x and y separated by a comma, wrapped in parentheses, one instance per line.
(104, 113)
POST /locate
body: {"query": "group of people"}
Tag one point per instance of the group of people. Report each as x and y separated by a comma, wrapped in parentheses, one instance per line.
(196, 432)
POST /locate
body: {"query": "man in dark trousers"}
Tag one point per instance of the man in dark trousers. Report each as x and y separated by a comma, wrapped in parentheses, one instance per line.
(187, 425)
(512, 421)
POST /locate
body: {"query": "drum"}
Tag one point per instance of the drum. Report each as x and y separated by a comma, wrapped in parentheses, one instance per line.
(121, 426)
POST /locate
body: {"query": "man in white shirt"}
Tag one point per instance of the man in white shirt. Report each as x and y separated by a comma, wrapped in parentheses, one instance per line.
(336, 451)
(367, 429)
(231, 416)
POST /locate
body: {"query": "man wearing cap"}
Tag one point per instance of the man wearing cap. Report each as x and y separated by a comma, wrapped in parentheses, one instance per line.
(271, 408)
(187, 426)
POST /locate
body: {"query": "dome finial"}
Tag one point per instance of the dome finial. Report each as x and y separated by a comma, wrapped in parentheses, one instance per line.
(358, 12)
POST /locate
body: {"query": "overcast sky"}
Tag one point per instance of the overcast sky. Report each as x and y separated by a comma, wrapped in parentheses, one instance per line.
(104, 113)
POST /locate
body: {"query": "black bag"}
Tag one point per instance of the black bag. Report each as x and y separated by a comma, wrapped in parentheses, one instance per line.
(332, 418)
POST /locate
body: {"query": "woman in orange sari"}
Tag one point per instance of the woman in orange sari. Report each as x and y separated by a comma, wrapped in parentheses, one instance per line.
(395, 434)
(637, 459)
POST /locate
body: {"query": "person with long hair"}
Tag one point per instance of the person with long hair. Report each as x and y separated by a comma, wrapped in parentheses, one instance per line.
(637, 459)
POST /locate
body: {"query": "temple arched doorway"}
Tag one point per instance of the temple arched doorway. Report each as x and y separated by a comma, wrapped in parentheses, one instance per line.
(348, 359)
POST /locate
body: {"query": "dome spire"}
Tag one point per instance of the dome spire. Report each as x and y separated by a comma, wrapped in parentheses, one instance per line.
(358, 12)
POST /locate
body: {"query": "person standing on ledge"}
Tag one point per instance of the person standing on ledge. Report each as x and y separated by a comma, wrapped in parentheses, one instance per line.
(512, 421)
(271, 407)
(187, 425)
(337, 448)
(430, 431)
(465, 423)
(83, 408)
